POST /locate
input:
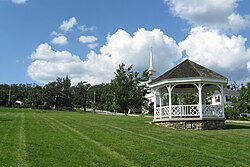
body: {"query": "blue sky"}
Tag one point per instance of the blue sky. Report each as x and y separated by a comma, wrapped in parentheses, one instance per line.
(87, 39)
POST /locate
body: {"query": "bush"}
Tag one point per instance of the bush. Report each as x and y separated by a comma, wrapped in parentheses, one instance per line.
(244, 118)
(231, 113)
(42, 107)
(69, 109)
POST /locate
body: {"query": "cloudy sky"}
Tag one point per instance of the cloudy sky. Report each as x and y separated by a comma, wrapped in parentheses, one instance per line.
(42, 40)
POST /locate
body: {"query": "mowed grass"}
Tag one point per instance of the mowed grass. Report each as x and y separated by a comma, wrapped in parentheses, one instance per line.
(56, 138)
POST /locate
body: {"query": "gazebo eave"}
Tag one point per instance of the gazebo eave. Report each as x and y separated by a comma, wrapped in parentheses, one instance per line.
(189, 80)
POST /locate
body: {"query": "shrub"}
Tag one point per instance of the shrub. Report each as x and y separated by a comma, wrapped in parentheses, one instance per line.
(231, 113)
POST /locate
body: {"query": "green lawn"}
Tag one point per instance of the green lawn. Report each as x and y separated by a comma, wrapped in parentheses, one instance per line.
(50, 138)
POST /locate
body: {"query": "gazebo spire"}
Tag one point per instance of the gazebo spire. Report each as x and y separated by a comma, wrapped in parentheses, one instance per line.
(151, 70)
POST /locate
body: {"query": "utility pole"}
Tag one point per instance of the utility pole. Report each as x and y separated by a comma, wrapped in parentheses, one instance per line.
(9, 100)
(94, 96)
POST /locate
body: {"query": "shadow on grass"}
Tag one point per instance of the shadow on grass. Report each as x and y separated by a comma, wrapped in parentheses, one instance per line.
(237, 126)
(5, 120)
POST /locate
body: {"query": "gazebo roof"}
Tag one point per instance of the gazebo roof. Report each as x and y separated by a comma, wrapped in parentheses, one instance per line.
(188, 69)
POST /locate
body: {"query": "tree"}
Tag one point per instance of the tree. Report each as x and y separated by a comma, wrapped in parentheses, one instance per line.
(4, 94)
(127, 90)
(232, 111)
(240, 104)
(52, 94)
(36, 97)
(102, 95)
(80, 93)
(58, 93)
(244, 99)
(66, 92)
(234, 86)
(190, 99)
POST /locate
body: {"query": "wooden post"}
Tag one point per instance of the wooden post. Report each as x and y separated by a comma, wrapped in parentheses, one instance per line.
(222, 100)
(155, 91)
(199, 87)
(160, 98)
(169, 100)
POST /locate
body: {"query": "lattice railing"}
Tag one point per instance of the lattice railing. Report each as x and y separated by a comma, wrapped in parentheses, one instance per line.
(162, 112)
(212, 111)
(189, 111)
(185, 110)
(177, 111)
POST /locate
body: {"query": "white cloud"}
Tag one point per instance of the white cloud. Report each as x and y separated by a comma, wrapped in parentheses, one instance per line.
(227, 55)
(210, 13)
(238, 22)
(56, 34)
(19, 1)
(248, 65)
(93, 45)
(68, 24)
(87, 39)
(49, 64)
(84, 28)
(19, 61)
(135, 49)
(45, 52)
(60, 40)
(97, 68)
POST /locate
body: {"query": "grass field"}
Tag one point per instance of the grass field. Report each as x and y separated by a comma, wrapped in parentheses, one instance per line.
(53, 138)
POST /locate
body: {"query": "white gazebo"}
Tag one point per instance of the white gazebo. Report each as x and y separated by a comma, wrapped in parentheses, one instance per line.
(188, 78)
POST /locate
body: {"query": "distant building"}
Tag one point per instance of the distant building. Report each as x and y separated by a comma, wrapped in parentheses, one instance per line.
(227, 98)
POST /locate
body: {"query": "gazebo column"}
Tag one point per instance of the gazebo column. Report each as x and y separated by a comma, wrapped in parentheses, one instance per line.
(169, 87)
(155, 93)
(199, 87)
(222, 99)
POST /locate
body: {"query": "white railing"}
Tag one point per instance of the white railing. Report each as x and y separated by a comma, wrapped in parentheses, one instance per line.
(188, 111)
(162, 112)
(185, 110)
(212, 111)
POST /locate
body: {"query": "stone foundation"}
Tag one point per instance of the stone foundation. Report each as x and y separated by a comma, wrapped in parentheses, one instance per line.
(193, 124)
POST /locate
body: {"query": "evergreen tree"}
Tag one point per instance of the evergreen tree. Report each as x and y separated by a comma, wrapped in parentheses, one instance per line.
(58, 93)
(36, 97)
(243, 105)
(4, 94)
(51, 94)
(100, 96)
(80, 93)
(127, 90)
(66, 92)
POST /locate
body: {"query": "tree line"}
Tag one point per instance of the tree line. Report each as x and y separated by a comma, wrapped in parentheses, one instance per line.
(122, 94)
(125, 92)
